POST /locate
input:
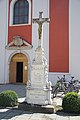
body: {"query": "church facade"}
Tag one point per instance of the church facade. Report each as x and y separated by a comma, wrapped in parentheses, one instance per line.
(19, 38)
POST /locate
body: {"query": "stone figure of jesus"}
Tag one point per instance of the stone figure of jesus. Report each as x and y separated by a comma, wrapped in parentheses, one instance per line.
(40, 22)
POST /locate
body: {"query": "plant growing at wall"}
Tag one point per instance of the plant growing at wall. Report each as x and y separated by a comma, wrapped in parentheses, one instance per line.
(8, 98)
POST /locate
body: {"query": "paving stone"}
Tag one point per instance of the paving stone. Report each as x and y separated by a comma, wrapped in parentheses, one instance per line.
(62, 117)
(75, 118)
(22, 117)
(52, 116)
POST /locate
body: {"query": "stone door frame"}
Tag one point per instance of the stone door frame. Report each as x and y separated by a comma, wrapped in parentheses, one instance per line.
(28, 65)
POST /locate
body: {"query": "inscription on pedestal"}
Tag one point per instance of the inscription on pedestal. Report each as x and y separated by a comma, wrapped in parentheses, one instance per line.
(37, 78)
(37, 94)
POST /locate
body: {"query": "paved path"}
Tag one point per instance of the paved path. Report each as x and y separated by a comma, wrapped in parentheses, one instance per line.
(19, 88)
(15, 114)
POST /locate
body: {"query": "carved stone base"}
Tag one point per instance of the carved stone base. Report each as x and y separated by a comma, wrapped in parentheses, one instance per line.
(39, 88)
(38, 96)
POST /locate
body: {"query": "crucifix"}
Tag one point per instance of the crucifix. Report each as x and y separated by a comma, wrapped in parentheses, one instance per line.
(40, 22)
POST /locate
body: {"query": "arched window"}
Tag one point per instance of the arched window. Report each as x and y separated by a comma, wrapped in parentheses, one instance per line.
(21, 12)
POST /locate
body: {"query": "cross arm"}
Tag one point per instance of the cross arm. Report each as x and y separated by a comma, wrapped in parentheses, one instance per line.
(35, 20)
(46, 20)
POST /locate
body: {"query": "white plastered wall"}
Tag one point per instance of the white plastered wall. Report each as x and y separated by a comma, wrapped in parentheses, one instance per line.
(74, 38)
(3, 37)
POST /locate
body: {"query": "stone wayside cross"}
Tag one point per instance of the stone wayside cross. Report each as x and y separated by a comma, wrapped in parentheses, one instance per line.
(40, 22)
(39, 88)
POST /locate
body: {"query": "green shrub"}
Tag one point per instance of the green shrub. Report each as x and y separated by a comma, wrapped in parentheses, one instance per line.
(8, 98)
(71, 102)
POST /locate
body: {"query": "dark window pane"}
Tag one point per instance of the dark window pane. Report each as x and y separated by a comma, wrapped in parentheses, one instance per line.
(22, 3)
(16, 12)
(16, 20)
(16, 4)
(21, 20)
(21, 11)
(26, 4)
(26, 19)
(26, 11)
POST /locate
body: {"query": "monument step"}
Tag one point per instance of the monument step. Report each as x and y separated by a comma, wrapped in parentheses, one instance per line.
(36, 108)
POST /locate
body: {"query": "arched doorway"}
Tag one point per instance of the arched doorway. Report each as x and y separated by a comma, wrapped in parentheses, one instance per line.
(18, 69)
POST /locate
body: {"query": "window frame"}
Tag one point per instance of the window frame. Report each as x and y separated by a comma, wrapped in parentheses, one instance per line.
(12, 13)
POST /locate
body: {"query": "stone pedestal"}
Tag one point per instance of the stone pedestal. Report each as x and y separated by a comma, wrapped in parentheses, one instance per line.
(39, 88)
